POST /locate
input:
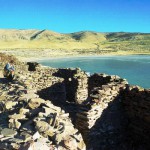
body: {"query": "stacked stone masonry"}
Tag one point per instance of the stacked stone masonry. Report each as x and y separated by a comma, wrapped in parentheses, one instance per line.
(97, 80)
(91, 96)
(136, 101)
(46, 85)
(76, 83)
(98, 100)
(28, 121)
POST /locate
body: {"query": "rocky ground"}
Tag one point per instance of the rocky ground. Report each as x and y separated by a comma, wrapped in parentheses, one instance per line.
(29, 122)
(65, 109)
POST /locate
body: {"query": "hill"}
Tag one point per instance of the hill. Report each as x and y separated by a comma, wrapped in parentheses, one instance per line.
(84, 42)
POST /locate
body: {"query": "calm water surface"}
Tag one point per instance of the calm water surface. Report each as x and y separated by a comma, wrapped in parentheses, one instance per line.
(136, 69)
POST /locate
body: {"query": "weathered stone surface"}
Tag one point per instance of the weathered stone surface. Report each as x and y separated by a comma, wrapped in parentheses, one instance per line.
(41, 143)
(26, 136)
(8, 132)
(27, 97)
(70, 143)
(42, 126)
(23, 111)
(10, 104)
(17, 116)
(35, 103)
(13, 123)
(89, 100)
(3, 98)
(36, 136)
(137, 105)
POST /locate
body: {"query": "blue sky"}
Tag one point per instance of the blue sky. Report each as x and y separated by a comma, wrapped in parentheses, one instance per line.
(68, 16)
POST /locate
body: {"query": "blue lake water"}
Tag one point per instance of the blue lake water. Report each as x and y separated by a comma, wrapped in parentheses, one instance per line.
(135, 68)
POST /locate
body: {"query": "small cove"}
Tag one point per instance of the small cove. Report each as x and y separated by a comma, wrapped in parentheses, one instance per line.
(134, 68)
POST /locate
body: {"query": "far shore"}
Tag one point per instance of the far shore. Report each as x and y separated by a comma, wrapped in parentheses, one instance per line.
(39, 55)
(32, 59)
(82, 56)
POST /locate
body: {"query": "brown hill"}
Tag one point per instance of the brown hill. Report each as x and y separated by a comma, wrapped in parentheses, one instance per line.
(83, 41)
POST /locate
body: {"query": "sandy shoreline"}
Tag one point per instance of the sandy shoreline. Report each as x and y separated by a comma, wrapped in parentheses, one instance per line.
(27, 59)
(39, 55)
(32, 59)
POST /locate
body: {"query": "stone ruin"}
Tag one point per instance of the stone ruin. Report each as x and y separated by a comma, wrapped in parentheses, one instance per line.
(136, 102)
(67, 109)
(28, 121)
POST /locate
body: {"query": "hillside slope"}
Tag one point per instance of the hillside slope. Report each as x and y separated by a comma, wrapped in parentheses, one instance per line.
(83, 42)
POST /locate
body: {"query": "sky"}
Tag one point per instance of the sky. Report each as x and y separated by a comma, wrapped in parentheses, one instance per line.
(67, 16)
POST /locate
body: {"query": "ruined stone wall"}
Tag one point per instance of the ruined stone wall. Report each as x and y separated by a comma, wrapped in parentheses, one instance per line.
(81, 93)
(32, 66)
(103, 91)
(57, 84)
(98, 100)
(70, 83)
(97, 80)
(94, 100)
(30, 122)
(136, 103)
(76, 84)
(101, 119)
(47, 86)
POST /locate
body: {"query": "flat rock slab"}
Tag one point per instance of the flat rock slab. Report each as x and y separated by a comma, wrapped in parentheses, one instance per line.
(8, 132)
(3, 98)
(38, 145)
(42, 126)
(17, 116)
(10, 104)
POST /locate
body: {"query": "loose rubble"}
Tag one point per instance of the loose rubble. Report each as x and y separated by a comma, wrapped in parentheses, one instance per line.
(67, 109)
(32, 119)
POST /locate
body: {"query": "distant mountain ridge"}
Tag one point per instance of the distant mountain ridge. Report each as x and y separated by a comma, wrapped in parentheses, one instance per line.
(31, 34)
(84, 40)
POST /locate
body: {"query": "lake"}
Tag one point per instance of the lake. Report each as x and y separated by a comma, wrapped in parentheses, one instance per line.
(134, 68)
